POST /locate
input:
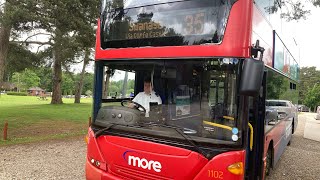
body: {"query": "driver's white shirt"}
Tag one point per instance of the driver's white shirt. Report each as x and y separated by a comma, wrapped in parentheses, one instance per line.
(144, 99)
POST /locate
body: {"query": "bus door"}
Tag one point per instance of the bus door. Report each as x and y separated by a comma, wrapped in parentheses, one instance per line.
(254, 167)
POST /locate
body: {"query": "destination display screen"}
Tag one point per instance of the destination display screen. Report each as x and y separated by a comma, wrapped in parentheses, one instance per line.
(176, 23)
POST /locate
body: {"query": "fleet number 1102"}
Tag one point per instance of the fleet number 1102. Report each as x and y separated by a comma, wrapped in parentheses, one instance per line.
(215, 174)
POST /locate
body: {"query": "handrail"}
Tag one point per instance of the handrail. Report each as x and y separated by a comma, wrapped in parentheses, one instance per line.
(218, 125)
(251, 136)
(230, 128)
(228, 117)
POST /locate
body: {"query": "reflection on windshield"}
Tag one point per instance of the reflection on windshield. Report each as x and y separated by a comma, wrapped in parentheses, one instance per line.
(134, 3)
(191, 22)
(199, 96)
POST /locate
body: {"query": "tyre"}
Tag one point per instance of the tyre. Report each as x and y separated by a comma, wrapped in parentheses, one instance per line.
(292, 131)
(268, 163)
(289, 143)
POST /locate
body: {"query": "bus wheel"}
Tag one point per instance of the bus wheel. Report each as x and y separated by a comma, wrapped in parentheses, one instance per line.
(268, 164)
(289, 143)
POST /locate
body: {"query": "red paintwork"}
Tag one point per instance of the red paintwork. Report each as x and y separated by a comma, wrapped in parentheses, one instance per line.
(177, 163)
(236, 41)
(170, 157)
(221, 163)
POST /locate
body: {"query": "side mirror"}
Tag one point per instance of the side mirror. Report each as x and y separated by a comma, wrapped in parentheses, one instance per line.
(251, 78)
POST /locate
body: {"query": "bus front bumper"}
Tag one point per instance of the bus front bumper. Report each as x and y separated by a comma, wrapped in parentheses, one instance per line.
(93, 173)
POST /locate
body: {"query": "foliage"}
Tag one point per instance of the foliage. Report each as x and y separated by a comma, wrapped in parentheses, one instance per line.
(25, 79)
(87, 82)
(312, 99)
(19, 14)
(17, 93)
(67, 85)
(297, 12)
(117, 86)
(277, 86)
(88, 93)
(309, 76)
(70, 23)
(16, 17)
(20, 58)
(45, 75)
(290, 10)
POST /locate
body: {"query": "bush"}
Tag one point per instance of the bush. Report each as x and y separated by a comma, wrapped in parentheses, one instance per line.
(17, 93)
(88, 93)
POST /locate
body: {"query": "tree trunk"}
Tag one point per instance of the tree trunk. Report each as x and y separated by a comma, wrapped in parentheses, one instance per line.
(57, 77)
(106, 86)
(125, 85)
(79, 85)
(4, 45)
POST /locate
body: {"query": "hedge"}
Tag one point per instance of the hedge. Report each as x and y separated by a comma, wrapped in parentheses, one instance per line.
(17, 93)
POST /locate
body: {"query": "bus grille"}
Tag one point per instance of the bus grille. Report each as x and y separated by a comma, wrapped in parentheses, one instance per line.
(134, 174)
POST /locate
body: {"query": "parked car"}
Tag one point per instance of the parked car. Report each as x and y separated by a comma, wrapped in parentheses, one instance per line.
(271, 116)
(303, 108)
(285, 109)
(318, 113)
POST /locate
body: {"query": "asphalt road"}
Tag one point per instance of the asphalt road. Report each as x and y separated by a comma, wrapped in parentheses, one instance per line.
(65, 159)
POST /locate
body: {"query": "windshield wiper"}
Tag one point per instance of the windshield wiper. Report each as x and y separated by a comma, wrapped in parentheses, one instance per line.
(111, 125)
(184, 133)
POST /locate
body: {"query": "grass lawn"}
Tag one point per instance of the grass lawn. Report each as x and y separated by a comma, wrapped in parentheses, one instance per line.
(33, 120)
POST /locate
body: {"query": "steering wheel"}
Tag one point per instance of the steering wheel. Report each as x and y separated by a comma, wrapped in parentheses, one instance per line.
(136, 105)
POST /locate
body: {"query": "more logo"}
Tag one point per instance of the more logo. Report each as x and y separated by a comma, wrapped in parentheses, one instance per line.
(142, 162)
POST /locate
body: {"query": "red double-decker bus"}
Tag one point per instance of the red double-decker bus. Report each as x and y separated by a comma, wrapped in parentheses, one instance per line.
(189, 89)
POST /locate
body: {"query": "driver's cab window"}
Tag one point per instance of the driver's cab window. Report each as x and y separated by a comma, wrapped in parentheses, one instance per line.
(197, 96)
(118, 85)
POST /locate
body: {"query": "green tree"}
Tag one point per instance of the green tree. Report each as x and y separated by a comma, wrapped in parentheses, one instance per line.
(16, 79)
(114, 89)
(26, 79)
(131, 84)
(312, 99)
(68, 23)
(67, 85)
(20, 58)
(88, 93)
(88, 82)
(309, 76)
(16, 17)
(277, 86)
(45, 75)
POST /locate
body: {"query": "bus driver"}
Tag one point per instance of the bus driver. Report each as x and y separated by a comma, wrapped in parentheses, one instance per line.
(148, 95)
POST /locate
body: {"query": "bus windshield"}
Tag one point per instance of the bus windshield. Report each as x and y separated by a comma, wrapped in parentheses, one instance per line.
(163, 23)
(198, 96)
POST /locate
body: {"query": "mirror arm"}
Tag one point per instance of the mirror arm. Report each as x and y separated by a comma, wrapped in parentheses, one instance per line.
(255, 48)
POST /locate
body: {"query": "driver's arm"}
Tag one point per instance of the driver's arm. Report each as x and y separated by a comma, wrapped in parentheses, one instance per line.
(136, 99)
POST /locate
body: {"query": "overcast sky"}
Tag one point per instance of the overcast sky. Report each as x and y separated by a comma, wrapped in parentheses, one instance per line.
(307, 33)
